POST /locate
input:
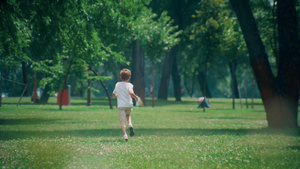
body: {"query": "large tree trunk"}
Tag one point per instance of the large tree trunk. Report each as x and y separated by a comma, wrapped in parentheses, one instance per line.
(200, 78)
(178, 20)
(138, 70)
(289, 55)
(176, 80)
(165, 78)
(274, 41)
(280, 95)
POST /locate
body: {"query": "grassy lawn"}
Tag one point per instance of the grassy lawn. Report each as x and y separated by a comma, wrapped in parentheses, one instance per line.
(171, 135)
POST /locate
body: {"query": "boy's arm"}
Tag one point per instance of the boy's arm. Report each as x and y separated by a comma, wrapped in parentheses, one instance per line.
(114, 93)
(133, 95)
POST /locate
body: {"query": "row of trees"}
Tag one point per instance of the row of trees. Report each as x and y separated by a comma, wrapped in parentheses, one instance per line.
(56, 38)
(211, 40)
(270, 33)
(186, 40)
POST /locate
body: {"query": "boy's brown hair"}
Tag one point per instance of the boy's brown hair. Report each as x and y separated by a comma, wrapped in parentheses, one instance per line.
(125, 74)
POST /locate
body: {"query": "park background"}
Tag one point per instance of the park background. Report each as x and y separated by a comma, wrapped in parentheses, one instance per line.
(225, 50)
(210, 48)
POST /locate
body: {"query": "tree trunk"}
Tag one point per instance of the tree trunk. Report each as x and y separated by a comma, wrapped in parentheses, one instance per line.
(232, 67)
(152, 90)
(279, 95)
(81, 91)
(200, 78)
(178, 20)
(233, 86)
(176, 80)
(190, 91)
(205, 84)
(105, 88)
(165, 78)
(34, 89)
(1, 81)
(193, 84)
(289, 60)
(45, 96)
(89, 94)
(25, 81)
(274, 40)
(138, 69)
(65, 83)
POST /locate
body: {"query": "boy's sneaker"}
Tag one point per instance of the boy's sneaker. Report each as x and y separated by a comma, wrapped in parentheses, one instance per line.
(131, 131)
(125, 137)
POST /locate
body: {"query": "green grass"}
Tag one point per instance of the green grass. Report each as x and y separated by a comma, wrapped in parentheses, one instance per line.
(171, 135)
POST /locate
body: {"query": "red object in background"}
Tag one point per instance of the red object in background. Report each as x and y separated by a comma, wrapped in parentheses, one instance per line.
(65, 99)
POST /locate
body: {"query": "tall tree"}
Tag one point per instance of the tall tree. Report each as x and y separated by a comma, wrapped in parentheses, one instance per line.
(165, 78)
(138, 70)
(178, 20)
(13, 37)
(279, 93)
(206, 33)
(157, 37)
(201, 80)
(180, 11)
(233, 48)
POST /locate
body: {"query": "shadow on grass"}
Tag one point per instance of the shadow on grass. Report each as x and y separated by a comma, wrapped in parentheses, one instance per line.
(230, 103)
(227, 118)
(10, 135)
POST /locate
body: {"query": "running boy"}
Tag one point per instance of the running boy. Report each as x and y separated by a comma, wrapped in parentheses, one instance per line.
(124, 91)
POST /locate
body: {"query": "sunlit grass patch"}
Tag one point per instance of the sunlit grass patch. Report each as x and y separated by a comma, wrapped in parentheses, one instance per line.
(36, 153)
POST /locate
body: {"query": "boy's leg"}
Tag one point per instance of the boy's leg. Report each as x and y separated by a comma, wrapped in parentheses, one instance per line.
(131, 131)
(123, 123)
(129, 120)
(128, 116)
(123, 126)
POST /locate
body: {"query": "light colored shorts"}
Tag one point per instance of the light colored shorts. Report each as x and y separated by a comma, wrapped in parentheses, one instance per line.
(124, 111)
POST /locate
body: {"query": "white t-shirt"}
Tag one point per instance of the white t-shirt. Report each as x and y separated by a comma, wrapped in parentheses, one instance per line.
(122, 90)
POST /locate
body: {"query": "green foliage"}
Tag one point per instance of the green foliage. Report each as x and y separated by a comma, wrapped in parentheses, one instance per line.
(206, 35)
(156, 37)
(232, 44)
(48, 35)
(203, 44)
(13, 35)
(208, 28)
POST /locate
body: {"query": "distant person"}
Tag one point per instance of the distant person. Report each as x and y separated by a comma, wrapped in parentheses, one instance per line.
(124, 91)
(203, 101)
